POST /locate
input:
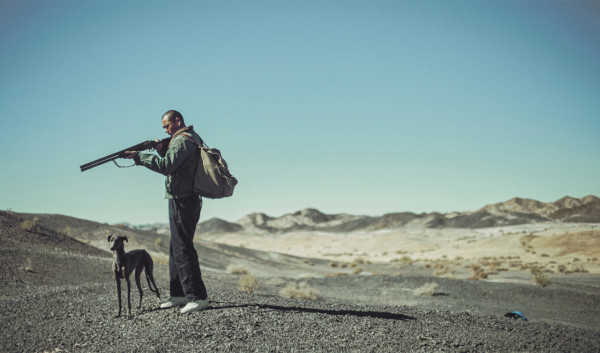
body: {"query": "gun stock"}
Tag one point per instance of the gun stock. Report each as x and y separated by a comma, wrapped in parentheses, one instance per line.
(146, 145)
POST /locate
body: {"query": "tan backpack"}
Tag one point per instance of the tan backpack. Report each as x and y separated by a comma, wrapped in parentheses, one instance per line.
(212, 179)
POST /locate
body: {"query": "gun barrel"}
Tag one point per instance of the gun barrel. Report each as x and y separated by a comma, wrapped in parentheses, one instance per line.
(139, 147)
(99, 161)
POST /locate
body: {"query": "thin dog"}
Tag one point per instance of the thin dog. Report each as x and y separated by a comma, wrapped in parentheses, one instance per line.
(124, 263)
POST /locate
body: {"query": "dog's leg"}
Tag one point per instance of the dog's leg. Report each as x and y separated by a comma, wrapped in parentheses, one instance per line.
(138, 273)
(118, 292)
(129, 316)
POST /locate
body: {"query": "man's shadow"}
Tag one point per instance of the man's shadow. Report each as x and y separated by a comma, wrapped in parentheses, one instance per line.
(372, 314)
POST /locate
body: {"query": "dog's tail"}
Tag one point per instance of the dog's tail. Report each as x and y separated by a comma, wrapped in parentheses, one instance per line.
(149, 276)
(150, 279)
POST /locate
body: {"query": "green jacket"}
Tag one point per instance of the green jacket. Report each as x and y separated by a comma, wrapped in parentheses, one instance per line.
(179, 163)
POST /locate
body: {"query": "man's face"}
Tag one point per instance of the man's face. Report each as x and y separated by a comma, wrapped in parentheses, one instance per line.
(170, 127)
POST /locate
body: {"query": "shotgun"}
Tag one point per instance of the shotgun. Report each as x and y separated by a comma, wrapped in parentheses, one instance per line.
(146, 145)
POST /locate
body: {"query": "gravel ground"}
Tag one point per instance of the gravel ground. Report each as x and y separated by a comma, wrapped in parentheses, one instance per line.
(79, 318)
(57, 295)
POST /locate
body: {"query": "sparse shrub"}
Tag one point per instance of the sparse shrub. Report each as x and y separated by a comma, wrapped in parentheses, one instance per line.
(29, 224)
(299, 290)
(478, 273)
(399, 274)
(308, 262)
(248, 283)
(428, 289)
(28, 266)
(333, 264)
(357, 270)
(492, 270)
(578, 268)
(336, 274)
(160, 259)
(404, 259)
(158, 242)
(438, 273)
(359, 261)
(539, 276)
(514, 264)
(444, 270)
(236, 270)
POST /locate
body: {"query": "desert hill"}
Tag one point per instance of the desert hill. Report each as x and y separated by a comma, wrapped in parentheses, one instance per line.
(58, 294)
(516, 211)
(93, 235)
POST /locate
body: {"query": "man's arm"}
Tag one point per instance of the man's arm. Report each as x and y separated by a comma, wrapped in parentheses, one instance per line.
(179, 150)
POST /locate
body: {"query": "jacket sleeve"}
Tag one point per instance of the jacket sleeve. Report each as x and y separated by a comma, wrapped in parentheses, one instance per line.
(178, 152)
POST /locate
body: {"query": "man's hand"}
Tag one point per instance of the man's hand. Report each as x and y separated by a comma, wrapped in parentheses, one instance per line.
(129, 154)
(159, 146)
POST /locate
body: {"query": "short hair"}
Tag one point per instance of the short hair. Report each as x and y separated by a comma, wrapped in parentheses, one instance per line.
(172, 114)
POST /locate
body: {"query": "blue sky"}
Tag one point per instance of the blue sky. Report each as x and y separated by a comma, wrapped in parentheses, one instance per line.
(362, 107)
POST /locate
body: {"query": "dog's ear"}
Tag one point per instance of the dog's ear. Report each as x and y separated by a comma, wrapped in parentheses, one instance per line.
(109, 238)
(125, 238)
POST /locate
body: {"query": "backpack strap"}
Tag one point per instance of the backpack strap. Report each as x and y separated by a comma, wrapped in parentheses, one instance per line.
(189, 137)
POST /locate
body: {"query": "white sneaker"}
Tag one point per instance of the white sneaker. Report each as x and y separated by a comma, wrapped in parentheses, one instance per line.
(196, 305)
(173, 301)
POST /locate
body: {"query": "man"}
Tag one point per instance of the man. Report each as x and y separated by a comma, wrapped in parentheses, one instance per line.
(179, 164)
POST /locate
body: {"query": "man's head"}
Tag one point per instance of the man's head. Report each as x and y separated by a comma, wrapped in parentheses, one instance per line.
(172, 121)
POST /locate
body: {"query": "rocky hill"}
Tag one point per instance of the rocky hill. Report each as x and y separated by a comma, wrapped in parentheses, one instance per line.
(512, 212)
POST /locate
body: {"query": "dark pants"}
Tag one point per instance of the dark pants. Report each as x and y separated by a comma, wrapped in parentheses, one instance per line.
(184, 269)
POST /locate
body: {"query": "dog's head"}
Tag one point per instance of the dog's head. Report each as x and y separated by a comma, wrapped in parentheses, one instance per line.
(117, 241)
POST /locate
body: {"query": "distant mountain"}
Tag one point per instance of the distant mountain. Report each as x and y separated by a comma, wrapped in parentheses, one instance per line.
(518, 205)
(219, 226)
(512, 212)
